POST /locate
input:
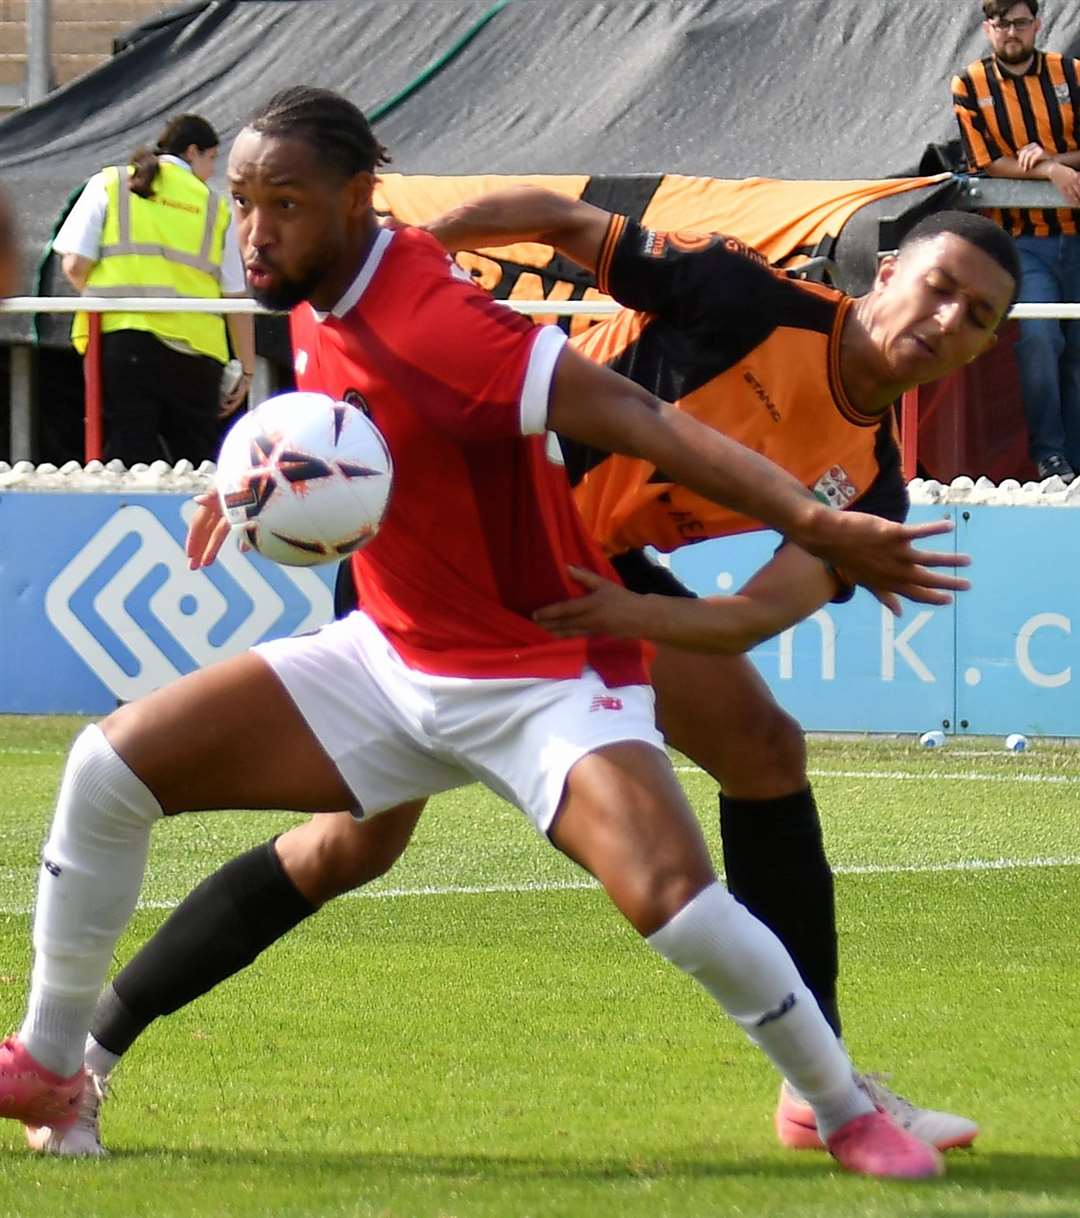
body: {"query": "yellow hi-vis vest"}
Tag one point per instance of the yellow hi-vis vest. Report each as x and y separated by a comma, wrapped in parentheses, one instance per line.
(170, 244)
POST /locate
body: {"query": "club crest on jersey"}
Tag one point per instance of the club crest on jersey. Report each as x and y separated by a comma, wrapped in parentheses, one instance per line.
(1061, 92)
(300, 363)
(835, 488)
(605, 702)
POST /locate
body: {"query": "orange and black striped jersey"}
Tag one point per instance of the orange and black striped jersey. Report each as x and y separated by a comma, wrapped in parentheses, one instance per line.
(746, 349)
(999, 113)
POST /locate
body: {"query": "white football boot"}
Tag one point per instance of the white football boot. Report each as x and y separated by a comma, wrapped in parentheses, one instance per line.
(797, 1129)
(80, 1137)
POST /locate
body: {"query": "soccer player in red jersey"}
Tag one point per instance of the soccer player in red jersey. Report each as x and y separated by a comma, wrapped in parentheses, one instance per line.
(728, 336)
(444, 677)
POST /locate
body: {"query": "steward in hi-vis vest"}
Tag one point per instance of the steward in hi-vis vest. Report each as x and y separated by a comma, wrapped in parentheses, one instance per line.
(153, 227)
(170, 244)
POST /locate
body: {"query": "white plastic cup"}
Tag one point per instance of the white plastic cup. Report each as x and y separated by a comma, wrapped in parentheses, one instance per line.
(1016, 743)
(932, 740)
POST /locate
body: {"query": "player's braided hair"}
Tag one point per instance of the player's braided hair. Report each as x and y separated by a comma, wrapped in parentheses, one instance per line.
(337, 130)
(981, 231)
(181, 131)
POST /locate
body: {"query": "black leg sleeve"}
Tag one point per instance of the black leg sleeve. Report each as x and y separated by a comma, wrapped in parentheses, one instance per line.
(776, 866)
(231, 917)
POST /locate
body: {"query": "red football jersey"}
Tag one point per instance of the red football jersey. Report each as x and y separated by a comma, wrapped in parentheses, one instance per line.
(481, 523)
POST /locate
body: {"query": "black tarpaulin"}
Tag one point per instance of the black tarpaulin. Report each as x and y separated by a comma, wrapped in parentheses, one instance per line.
(793, 89)
(724, 88)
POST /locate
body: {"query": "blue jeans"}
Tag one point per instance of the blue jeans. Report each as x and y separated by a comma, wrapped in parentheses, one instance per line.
(1048, 353)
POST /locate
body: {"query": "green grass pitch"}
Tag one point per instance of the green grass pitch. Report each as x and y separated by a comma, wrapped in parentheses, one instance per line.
(480, 1036)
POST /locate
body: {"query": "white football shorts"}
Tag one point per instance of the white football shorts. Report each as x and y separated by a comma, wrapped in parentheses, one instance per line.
(397, 734)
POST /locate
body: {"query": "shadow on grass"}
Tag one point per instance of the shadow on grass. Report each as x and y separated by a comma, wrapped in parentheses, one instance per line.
(401, 1165)
(1051, 1176)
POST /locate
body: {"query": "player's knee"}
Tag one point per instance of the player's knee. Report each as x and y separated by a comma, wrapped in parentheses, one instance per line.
(99, 784)
(653, 895)
(768, 748)
(336, 854)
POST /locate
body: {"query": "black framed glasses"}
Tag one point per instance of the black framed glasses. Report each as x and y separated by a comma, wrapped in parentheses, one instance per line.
(1020, 24)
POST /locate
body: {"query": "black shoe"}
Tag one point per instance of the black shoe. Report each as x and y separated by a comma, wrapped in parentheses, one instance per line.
(1055, 464)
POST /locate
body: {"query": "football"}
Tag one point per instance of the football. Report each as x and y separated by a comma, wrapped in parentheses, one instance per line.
(304, 479)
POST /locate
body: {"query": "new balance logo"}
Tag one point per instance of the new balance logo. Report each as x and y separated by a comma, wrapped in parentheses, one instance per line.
(605, 702)
(776, 1013)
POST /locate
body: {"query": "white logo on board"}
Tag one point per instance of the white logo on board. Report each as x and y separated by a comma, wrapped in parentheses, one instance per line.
(186, 606)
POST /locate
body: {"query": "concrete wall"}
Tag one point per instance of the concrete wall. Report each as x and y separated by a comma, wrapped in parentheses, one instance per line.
(82, 35)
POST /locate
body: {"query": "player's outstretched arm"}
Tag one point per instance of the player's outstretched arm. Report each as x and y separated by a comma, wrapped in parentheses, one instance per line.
(525, 213)
(600, 408)
(788, 588)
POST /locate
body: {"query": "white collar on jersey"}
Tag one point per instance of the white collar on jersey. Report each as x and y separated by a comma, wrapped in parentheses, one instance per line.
(365, 275)
(178, 161)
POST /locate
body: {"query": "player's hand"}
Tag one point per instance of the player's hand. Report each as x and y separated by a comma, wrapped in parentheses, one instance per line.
(207, 531)
(1067, 180)
(606, 608)
(1031, 155)
(881, 555)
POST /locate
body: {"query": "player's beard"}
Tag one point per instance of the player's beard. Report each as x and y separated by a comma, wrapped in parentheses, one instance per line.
(287, 293)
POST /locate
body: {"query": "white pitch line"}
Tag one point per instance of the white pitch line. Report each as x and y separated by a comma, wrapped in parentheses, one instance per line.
(929, 776)
(961, 865)
(582, 885)
(1067, 860)
(935, 776)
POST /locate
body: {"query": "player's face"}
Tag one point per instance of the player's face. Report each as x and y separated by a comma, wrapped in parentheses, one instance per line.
(938, 305)
(1012, 36)
(302, 229)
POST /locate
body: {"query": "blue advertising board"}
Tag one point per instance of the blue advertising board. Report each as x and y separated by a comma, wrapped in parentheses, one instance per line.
(1000, 660)
(97, 606)
(1015, 650)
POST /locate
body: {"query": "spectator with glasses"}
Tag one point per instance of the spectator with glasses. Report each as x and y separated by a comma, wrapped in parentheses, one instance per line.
(1019, 115)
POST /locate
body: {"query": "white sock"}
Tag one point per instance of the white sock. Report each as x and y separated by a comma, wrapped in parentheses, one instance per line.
(98, 1059)
(745, 967)
(91, 872)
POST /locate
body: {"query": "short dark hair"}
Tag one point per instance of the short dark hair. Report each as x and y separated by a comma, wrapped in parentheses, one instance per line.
(337, 130)
(998, 8)
(180, 132)
(991, 238)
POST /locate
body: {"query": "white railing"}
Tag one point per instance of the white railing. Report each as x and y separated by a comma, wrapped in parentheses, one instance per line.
(238, 304)
(22, 407)
(21, 380)
(547, 308)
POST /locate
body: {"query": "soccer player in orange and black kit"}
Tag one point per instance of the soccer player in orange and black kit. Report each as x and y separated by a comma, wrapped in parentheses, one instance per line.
(798, 371)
